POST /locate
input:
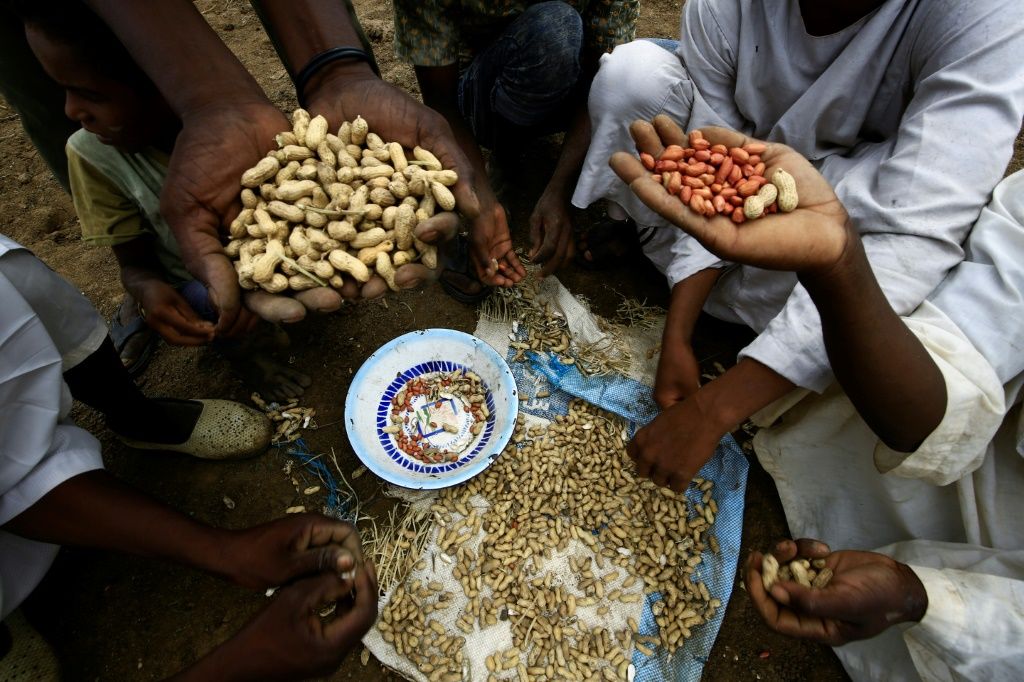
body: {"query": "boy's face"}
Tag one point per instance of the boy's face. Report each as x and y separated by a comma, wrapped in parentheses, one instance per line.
(116, 112)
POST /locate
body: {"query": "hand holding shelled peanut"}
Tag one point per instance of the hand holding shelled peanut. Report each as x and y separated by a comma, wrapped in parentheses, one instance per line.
(713, 179)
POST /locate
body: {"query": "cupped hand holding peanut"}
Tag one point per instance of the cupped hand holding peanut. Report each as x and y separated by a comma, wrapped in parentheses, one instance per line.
(396, 116)
(200, 196)
(852, 594)
(811, 235)
(327, 216)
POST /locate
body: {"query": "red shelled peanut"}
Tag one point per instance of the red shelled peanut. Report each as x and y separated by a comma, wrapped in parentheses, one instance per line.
(713, 179)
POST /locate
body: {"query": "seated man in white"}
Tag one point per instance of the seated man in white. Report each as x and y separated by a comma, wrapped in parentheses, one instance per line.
(909, 108)
(914, 449)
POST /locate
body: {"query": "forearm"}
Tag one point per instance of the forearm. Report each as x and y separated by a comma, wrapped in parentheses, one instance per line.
(883, 368)
(745, 388)
(136, 277)
(97, 511)
(139, 266)
(134, 280)
(179, 51)
(577, 137)
(688, 297)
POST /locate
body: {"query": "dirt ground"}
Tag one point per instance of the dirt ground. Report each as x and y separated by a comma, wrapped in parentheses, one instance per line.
(122, 618)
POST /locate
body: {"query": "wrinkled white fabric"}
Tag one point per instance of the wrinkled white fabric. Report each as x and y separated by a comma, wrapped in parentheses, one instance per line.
(984, 295)
(975, 406)
(821, 456)
(891, 110)
(967, 587)
(822, 443)
(46, 328)
(951, 509)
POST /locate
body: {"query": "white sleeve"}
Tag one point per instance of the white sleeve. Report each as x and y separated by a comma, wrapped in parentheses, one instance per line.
(973, 628)
(914, 198)
(39, 447)
(975, 406)
(984, 295)
(974, 625)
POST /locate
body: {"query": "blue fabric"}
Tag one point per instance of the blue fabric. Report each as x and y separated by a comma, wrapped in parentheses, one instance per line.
(664, 43)
(196, 295)
(728, 467)
(625, 397)
(525, 76)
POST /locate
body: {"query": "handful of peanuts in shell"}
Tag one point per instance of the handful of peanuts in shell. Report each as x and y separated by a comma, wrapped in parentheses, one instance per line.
(324, 207)
(809, 573)
(718, 180)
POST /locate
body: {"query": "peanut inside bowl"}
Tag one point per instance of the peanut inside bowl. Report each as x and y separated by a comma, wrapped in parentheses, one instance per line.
(431, 408)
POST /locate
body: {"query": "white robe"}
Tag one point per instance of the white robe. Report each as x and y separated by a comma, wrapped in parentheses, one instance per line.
(951, 509)
(911, 114)
(46, 328)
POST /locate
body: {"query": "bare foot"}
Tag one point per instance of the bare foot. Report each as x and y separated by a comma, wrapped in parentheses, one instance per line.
(273, 380)
(261, 372)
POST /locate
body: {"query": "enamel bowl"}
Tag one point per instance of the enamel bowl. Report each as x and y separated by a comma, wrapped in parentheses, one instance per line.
(387, 370)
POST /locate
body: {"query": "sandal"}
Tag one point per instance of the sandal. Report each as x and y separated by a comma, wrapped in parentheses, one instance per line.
(610, 243)
(136, 334)
(225, 430)
(457, 265)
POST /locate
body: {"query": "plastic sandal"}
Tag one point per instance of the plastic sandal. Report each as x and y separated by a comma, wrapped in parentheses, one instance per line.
(225, 430)
(121, 334)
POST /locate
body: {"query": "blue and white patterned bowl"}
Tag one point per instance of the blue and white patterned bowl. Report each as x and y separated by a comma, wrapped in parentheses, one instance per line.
(406, 357)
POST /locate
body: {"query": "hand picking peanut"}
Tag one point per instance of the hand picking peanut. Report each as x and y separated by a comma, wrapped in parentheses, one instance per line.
(809, 573)
(715, 179)
(322, 206)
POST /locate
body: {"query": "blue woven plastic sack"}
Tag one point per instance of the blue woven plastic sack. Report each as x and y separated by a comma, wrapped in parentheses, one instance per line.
(634, 402)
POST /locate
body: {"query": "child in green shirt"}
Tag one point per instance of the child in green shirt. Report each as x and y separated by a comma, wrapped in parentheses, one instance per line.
(117, 164)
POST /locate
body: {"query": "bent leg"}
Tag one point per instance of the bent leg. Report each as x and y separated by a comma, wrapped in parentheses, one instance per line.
(639, 81)
(636, 81)
(91, 365)
(70, 319)
(102, 382)
(524, 79)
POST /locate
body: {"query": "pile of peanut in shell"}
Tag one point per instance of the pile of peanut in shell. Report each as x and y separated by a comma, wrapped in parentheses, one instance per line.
(324, 207)
(553, 546)
(288, 418)
(713, 179)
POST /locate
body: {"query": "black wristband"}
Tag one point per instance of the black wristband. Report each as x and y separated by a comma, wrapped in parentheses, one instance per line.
(321, 60)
